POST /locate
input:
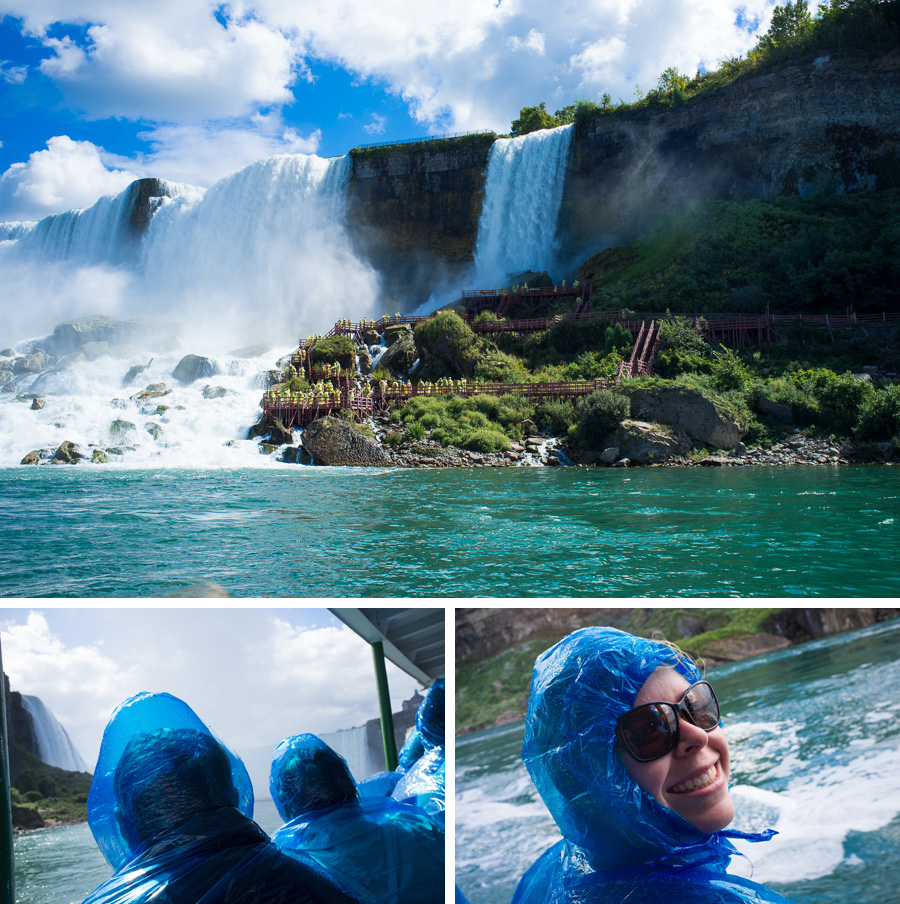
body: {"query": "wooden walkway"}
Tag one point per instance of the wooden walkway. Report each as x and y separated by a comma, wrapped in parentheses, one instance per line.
(333, 390)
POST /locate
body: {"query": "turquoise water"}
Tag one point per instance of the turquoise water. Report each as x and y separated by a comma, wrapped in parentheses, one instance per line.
(814, 734)
(519, 532)
(63, 865)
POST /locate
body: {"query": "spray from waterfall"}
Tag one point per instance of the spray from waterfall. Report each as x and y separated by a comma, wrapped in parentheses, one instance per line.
(54, 745)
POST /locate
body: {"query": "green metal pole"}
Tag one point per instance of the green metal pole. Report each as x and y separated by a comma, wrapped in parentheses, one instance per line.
(7, 866)
(384, 706)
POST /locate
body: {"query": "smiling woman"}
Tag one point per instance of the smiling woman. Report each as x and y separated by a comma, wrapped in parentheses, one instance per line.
(624, 745)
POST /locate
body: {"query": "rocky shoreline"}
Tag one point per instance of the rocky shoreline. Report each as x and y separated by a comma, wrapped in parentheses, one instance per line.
(332, 442)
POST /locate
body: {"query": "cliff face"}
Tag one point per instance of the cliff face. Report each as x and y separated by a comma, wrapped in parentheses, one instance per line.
(827, 124)
(414, 213)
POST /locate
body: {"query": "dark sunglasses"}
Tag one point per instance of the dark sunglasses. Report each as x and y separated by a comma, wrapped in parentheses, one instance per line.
(650, 731)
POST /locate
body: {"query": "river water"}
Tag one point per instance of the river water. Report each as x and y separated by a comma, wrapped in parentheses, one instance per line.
(814, 732)
(295, 531)
(63, 865)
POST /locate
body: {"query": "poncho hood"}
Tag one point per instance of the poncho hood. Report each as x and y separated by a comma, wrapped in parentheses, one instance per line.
(143, 720)
(579, 689)
(307, 775)
(430, 716)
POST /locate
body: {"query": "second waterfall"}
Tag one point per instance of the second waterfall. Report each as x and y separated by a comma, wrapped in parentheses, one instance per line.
(522, 194)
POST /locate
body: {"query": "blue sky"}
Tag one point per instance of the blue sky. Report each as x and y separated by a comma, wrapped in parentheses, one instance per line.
(96, 93)
(255, 676)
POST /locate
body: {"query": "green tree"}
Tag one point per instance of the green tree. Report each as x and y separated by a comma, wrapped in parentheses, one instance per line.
(532, 119)
(672, 80)
(789, 22)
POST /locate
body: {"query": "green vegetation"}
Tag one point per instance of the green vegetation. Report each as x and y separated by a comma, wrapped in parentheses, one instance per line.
(794, 35)
(818, 254)
(336, 350)
(40, 792)
(499, 684)
(476, 139)
(597, 415)
(480, 423)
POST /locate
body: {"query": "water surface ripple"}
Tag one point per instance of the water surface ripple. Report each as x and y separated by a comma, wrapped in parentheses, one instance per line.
(320, 532)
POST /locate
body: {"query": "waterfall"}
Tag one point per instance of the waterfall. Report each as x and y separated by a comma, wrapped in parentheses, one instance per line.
(522, 194)
(353, 745)
(54, 745)
(262, 252)
(248, 267)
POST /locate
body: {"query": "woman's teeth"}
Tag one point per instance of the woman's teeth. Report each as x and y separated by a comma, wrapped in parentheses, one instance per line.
(701, 781)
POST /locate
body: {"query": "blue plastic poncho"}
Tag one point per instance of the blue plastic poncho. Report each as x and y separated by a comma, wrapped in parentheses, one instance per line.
(380, 850)
(170, 806)
(410, 752)
(619, 843)
(423, 786)
(430, 716)
(381, 784)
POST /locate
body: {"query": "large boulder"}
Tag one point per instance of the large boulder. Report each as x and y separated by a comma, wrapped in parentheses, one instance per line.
(68, 453)
(691, 412)
(399, 357)
(74, 335)
(193, 367)
(335, 442)
(646, 443)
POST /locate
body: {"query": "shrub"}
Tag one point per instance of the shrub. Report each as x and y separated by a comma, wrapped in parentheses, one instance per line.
(879, 415)
(486, 439)
(599, 414)
(679, 334)
(729, 372)
(555, 417)
(415, 431)
(838, 398)
(393, 439)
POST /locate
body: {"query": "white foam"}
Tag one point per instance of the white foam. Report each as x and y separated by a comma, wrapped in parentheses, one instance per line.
(815, 813)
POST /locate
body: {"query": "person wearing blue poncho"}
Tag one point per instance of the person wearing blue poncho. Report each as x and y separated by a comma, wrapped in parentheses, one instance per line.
(382, 851)
(412, 749)
(423, 784)
(624, 744)
(170, 809)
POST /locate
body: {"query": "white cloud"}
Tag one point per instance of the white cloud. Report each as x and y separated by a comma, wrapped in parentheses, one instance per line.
(534, 42)
(459, 65)
(254, 677)
(202, 153)
(67, 175)
(376, 126)
(14, 75)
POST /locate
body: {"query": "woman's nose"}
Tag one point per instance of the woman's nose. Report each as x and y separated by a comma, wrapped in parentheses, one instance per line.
(690, 737)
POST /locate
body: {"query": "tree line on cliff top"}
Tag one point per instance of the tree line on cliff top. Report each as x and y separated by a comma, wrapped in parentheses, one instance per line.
(837, 26)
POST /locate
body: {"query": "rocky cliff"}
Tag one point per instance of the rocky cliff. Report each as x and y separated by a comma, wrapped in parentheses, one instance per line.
(826, 124)
(414, 211)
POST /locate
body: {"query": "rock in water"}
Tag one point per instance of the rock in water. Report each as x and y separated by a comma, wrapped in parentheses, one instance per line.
(68, 453)
(193, 367)
(334, 442)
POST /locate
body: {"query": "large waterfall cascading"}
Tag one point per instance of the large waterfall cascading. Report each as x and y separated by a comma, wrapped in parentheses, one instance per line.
(261, 257)
(54, 745)
(261, 252)
(522, 195)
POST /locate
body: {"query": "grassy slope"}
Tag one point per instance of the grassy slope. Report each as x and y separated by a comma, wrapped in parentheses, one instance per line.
(818, 254)
(499, 684)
